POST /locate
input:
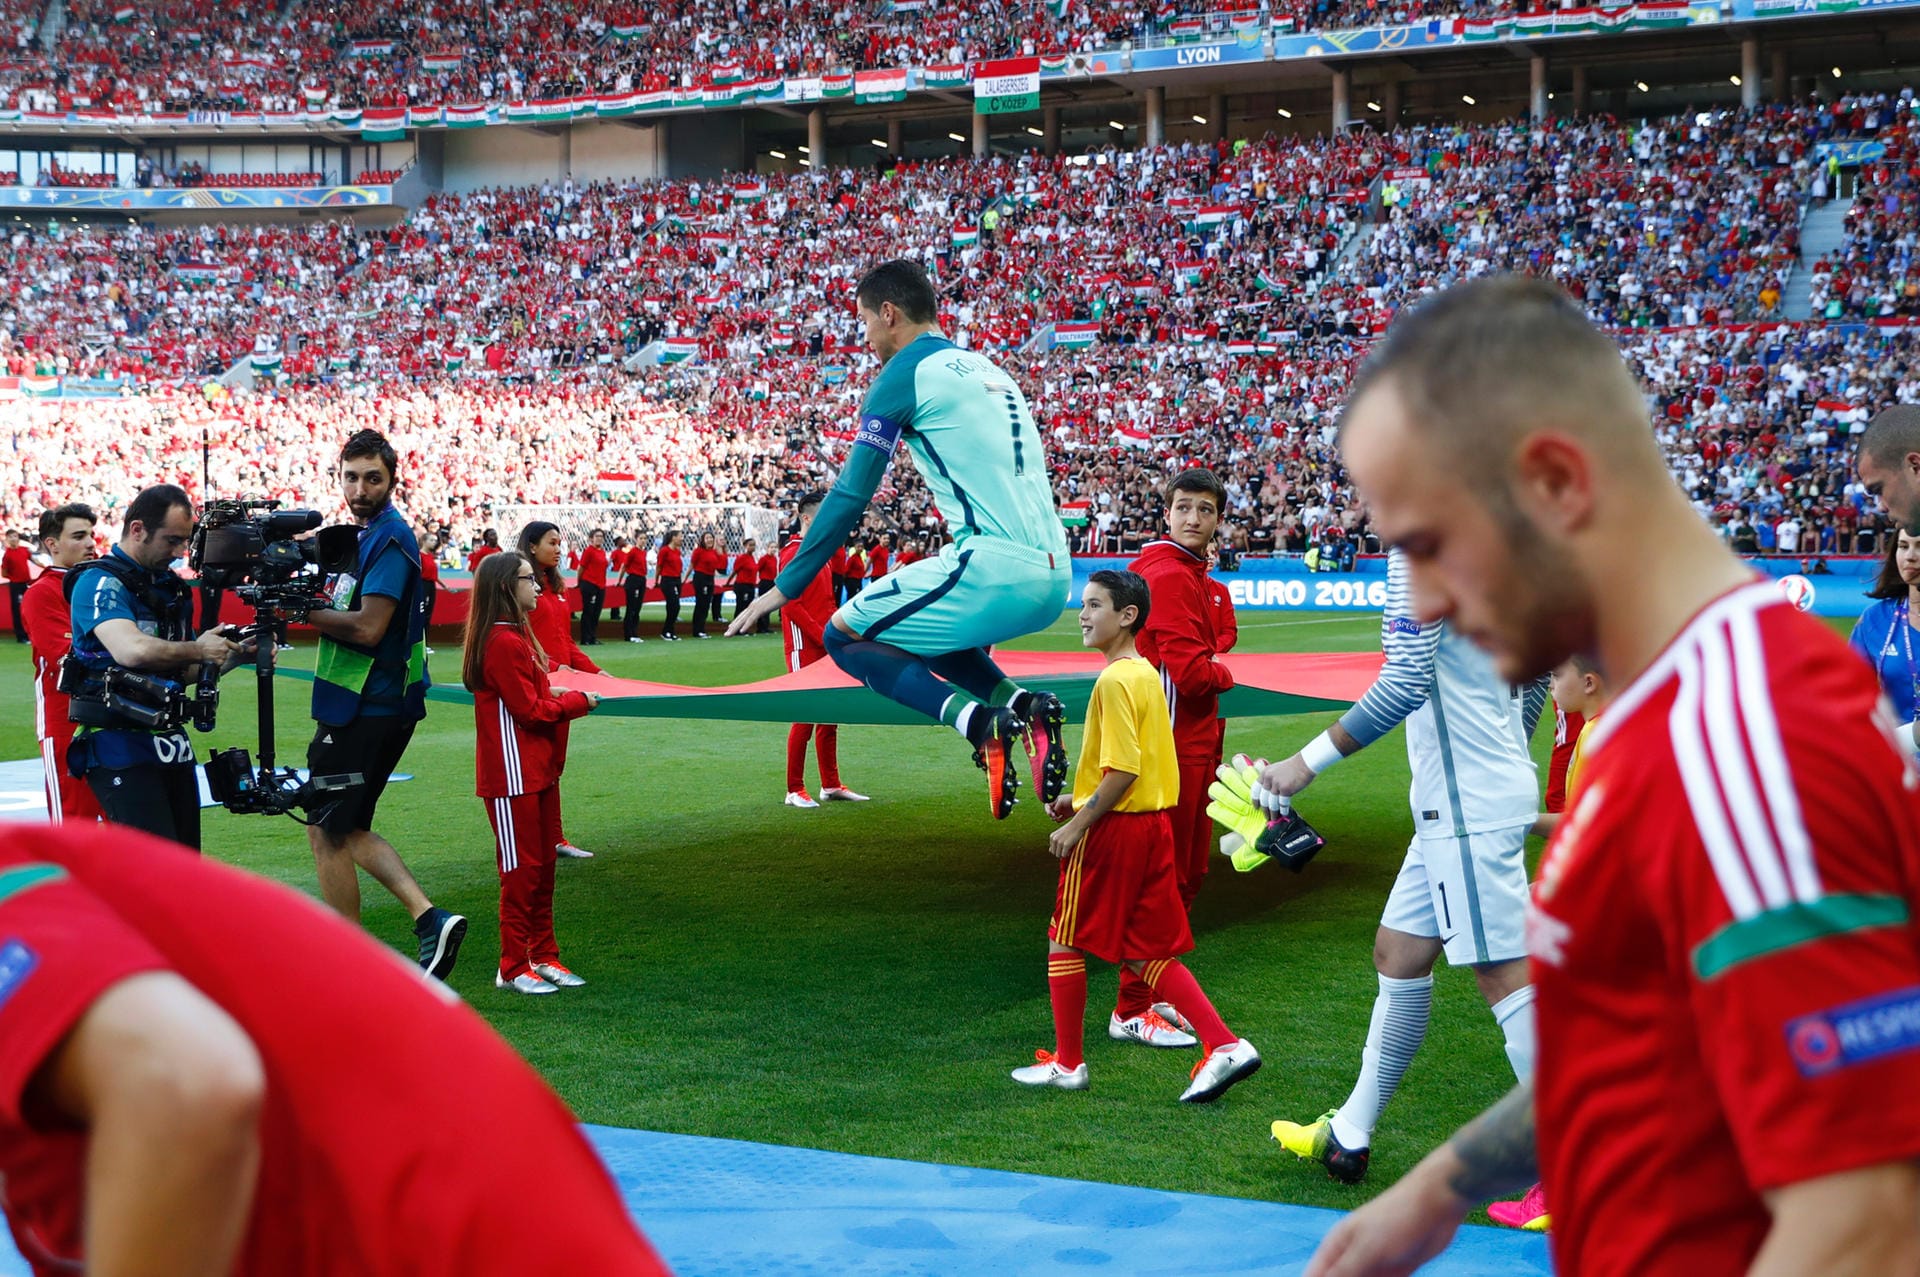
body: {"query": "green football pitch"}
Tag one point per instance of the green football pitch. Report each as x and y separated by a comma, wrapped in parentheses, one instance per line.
(862, 977)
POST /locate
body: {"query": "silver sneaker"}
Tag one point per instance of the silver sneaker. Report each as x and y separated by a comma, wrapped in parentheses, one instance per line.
(525, 982)
(571, 852)
(1050, 1072)
(1148, 1030)
(1225, 1066)
(557, 976)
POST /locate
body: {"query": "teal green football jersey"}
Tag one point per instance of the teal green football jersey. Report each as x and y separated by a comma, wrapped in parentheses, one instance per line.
(972, 437)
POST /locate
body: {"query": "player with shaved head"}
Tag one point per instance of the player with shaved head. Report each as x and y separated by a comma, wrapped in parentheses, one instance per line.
(1723, 944)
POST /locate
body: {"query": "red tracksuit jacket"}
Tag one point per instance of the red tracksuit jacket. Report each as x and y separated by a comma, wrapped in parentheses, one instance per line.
(803, 621)
(49, 624)
(1182, 635)
(551, 623)
(519, 720)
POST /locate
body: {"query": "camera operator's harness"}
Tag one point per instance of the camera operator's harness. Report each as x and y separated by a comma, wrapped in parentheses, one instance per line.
(103, 694)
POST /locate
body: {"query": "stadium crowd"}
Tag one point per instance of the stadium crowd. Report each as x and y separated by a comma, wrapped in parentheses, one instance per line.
(260, 56)
(490, 333)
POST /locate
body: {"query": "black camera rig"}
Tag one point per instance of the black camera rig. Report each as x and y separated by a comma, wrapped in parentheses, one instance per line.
(262, 554)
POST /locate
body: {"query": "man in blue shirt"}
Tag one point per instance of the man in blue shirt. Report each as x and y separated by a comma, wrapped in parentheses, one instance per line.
(369, 690)
(130, 613)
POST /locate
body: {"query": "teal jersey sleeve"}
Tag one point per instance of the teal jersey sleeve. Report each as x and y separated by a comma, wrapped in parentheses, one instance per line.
(885, 415)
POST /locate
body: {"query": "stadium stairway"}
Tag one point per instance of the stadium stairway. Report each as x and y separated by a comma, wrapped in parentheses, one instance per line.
(727, 1208)
(53, 24)
(1824, 230)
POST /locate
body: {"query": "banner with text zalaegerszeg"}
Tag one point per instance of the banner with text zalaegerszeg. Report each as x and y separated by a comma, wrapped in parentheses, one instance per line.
(1011, 84)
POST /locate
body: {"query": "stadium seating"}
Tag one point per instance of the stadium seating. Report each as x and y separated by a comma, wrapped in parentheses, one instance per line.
(1230, 304)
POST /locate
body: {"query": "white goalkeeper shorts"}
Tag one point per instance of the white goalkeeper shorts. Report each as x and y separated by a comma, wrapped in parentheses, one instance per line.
(1468, 892)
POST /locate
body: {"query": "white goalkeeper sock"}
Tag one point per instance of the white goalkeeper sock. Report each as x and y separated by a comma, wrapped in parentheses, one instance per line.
(1514, 1014)
(1401, 1011)
(964, 720)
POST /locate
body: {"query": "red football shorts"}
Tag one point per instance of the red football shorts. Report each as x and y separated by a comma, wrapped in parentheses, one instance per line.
(1119, 894)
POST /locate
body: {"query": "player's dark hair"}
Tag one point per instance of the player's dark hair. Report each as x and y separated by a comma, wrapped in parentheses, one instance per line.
(495, 599)
(371, 443)
(489, 537)
(1126, 589)
(1892, 434)
(1583, 664)
(811, 501)
(1888, 584)
(903, 283)
(531, 535)
(151, 508)
(1200, 481)
(54, 522)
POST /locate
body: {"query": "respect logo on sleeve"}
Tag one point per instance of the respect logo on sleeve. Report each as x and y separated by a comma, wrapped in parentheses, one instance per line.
(16, 964)
(1856, 1033)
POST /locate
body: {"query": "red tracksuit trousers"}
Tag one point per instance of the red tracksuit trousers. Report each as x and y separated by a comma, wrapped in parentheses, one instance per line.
(525, 830)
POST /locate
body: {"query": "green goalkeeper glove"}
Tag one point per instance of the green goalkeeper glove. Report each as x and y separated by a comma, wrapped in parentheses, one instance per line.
(1233, 809)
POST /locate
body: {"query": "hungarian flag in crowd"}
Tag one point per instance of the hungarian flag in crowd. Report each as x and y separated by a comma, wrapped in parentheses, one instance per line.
(629, 30)
(474, 115)
(1244, 22)
(370, 48)
(965, 236)
(196, 272)
(949, 76)
(749, 192)
(1074, 514)
(124, 14)
(1189, 272)
(1053, 64)
(1209, 215)
(441, 62)
(1243, 348)
(725, 73)
(616, 483)
(315, 96)
(1475, 29)
(1659, 15)
(1533, 24)
(1268, 284)
(1058, 8)
(1186, 28)
(265, 362)
(383, 123)
(1075, 334)
(1132, 434)
(836, 84)
(679, 349)
(1193, 336)
(880, 86)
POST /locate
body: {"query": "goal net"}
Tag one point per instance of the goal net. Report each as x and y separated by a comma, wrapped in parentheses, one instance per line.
(732, 525)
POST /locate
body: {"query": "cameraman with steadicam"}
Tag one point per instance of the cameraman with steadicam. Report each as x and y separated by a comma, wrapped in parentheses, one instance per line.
(369, 691)
(134, 652)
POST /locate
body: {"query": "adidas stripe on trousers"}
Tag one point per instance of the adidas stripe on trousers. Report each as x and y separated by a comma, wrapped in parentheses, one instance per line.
(525, 829)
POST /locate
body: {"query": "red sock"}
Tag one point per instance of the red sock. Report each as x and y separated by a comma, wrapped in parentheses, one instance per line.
(797, 737)
(1174, 983)
(1136, 996)
(826, 748)
(1067, 988)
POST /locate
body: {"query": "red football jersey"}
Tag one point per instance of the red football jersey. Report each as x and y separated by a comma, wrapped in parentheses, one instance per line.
(667, 562)
(1566, 731)
(356, 1179)
(1725, 949)
(593, 566)
(50, 626)
(746, 569)
(1181, 639)
(803, 620)
(520, 722)
(709, 562)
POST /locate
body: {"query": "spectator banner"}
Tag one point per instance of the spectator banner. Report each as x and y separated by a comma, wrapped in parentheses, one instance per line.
(802, 89)
(1006, 86)
(1052, 64)
(947, 77)
(384, 123)
(964, 236)
(616, 484)
(678, 350)
(1076, 335)
(441, 61)
(880, 86)
(114, 200)
(469, 117)
(837, 84)
(1074, 514)
(371, 48)
(1852, 153)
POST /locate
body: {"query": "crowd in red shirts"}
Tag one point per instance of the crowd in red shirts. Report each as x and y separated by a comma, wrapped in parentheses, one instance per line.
(208, 56)
(1229, 303)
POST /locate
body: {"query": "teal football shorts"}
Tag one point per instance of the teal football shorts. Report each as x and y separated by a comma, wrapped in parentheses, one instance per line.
(973, 593)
